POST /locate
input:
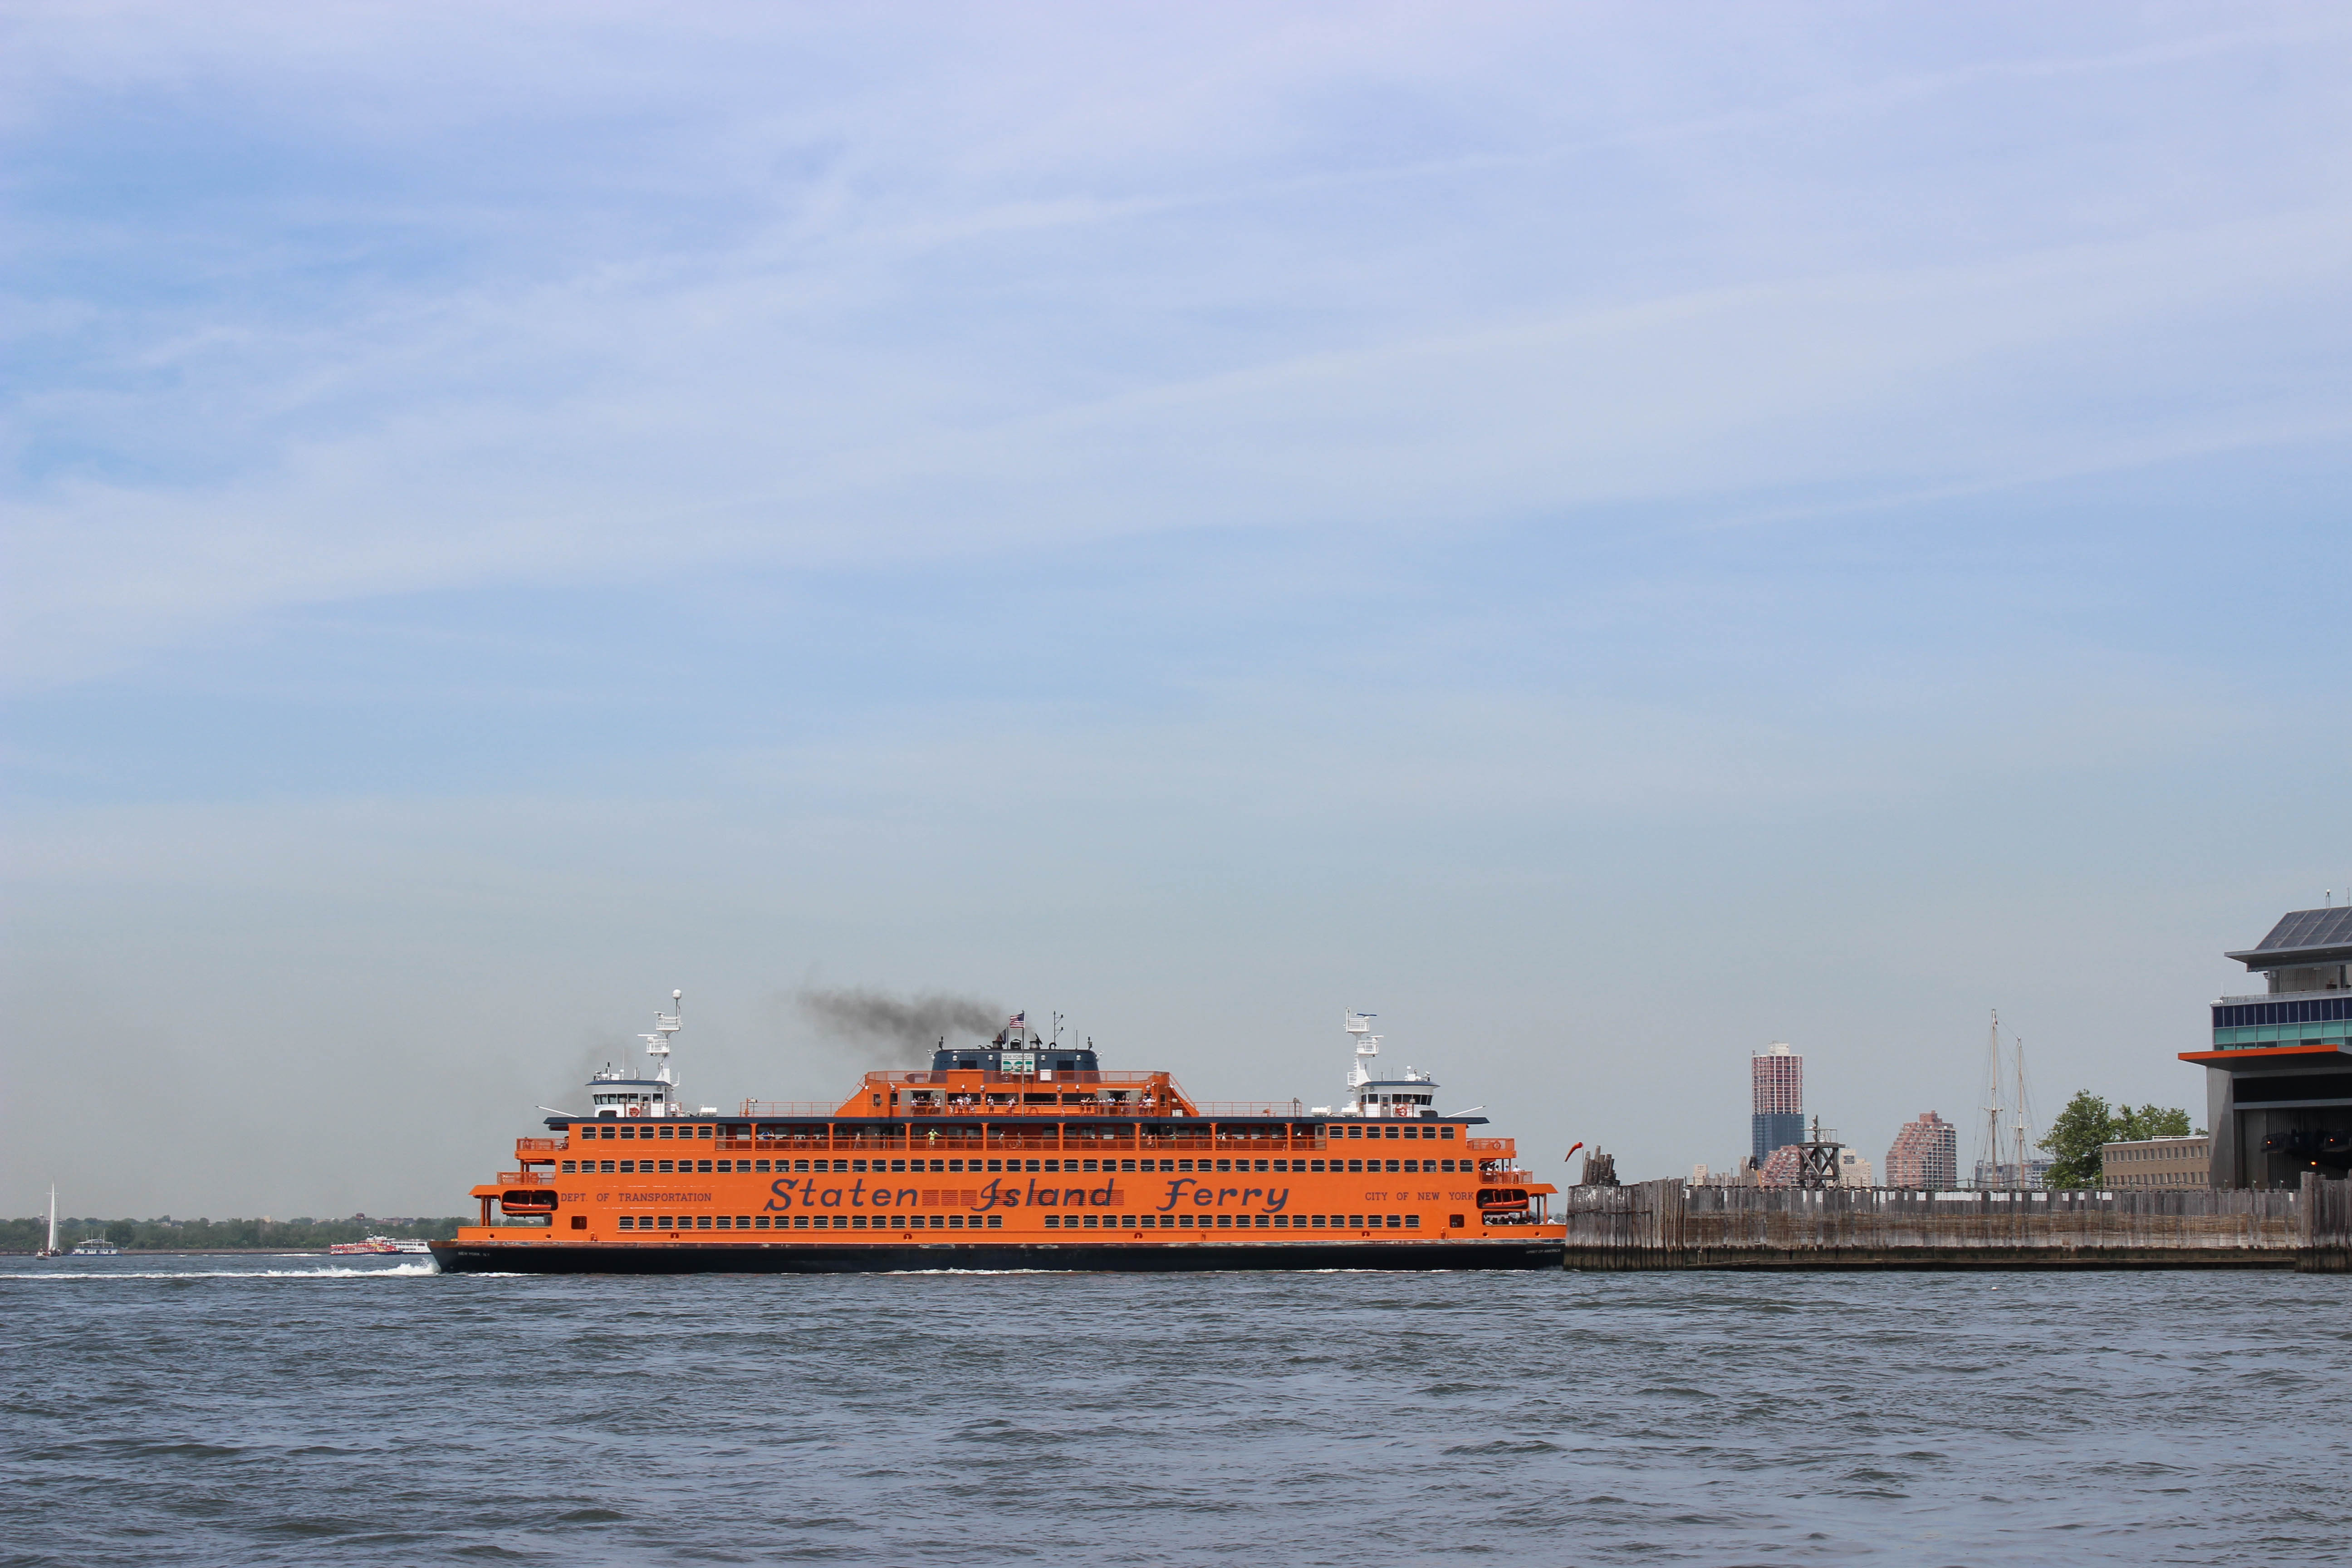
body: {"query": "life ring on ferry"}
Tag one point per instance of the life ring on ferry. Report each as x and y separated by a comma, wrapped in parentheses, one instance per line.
(634, 1110)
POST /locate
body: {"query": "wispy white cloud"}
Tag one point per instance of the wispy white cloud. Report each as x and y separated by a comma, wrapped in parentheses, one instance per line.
(712, 421)
(1140, 276)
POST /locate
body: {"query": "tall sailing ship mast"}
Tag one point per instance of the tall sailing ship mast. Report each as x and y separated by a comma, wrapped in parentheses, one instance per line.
(2007, 1150)
(2023, 1146)
(1988, 1173)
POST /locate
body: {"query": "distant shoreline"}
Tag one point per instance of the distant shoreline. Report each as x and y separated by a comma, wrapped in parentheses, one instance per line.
(208, 1252)
(21, 1236)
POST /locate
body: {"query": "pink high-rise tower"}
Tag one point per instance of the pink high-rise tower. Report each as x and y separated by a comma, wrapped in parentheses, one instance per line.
(1927, 1154)
(1778, 1083)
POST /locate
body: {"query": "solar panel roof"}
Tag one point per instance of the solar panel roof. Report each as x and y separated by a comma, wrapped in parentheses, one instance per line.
(2305, 930)
(2310, 928)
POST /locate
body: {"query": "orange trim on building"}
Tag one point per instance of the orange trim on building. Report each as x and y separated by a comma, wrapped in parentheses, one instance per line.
(2223, 1059)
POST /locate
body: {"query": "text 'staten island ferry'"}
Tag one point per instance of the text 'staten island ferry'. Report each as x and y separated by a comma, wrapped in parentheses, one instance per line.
(1021, 1153)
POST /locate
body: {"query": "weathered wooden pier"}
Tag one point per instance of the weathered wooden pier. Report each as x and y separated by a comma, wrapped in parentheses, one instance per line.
(1666, 1224)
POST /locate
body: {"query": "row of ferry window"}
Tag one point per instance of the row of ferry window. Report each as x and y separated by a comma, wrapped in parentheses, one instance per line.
(804, 1222)
(880, 1167)
(613, 1128)
(1236, 1222)
(731, 1223)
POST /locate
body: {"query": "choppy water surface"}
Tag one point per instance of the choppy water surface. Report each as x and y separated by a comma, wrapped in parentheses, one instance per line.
(278, 1410)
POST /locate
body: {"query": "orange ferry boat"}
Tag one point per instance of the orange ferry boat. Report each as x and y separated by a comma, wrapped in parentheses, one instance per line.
(1021, 1153)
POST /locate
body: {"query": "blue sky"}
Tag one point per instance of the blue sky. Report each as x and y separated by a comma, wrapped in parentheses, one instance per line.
(1610, 537)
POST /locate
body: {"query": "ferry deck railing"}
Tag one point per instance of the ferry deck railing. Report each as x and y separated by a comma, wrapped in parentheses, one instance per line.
(1481, 1165)
(975, 1141)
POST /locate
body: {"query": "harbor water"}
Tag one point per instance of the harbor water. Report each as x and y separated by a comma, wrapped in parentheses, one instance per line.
(267, 1410)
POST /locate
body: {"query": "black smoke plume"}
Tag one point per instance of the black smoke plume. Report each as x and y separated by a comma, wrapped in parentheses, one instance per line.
(897, 1031)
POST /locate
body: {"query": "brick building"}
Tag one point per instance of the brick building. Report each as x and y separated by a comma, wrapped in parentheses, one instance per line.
(2160, 1163)
(1927, 1154)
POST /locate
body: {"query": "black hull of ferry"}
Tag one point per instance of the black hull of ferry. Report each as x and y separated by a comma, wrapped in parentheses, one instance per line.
(687, 1257)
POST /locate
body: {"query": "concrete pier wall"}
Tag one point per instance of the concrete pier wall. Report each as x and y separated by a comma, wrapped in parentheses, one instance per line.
(1665, 1225)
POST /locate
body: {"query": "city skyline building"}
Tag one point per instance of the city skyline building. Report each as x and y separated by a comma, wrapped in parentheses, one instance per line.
(1784, 1167)
(1927, 1154)
(2178, 1165)
(1777, 1090)
(2005, 1177)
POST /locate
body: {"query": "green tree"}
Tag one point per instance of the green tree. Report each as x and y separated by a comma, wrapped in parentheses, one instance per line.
(123, 1233)
(2074, 1142)
(2149, 1122)
(2089, 1122)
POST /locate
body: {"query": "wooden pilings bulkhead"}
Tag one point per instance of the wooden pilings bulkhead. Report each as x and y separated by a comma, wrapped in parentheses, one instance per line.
(1666, 1224)
(2327, 1227)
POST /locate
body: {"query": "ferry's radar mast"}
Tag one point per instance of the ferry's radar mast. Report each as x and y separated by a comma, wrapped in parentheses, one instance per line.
(1368, 1046)
(657, 1043)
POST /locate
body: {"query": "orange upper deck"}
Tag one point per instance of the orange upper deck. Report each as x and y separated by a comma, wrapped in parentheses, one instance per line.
(978, 1092)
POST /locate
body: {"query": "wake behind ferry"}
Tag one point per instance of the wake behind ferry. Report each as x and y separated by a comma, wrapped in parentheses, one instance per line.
(1021, 1153)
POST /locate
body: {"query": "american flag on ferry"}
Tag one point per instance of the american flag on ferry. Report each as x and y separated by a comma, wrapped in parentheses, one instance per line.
(1018, 1019)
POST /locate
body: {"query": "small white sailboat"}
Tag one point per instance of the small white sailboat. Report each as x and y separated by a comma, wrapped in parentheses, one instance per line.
(51, 1250)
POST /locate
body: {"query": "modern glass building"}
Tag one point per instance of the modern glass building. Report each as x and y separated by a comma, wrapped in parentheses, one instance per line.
(1777, 1084)
(2278, 1079)
(2317, 1020)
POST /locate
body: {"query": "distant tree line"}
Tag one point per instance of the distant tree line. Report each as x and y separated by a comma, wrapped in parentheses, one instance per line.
(167, 1234)
(2089, 1122)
